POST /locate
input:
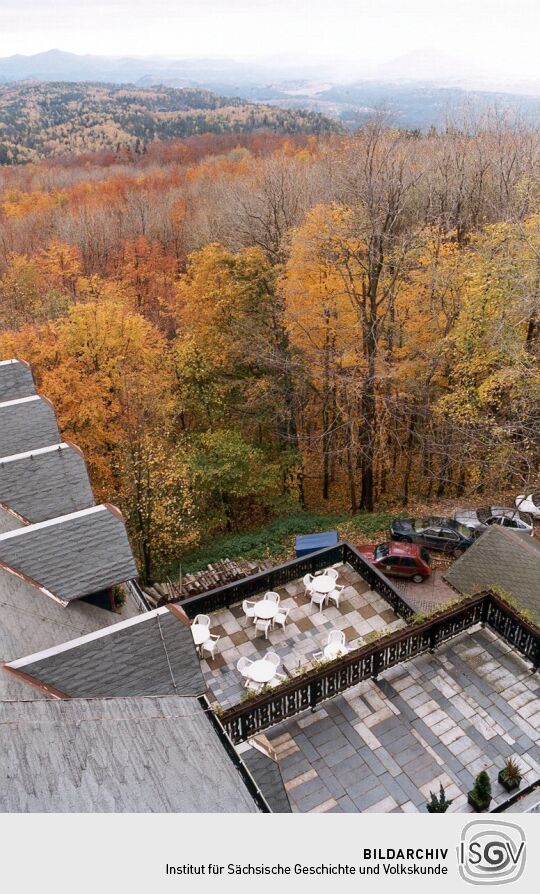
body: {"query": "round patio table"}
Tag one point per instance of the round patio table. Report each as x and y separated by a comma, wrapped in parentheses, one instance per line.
(323, 583)
(261, 671)
(265, 609)
(200, 633)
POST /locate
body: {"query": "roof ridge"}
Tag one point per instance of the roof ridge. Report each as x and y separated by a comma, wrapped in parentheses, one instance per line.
(38, 451)
(70, 644)
(23, 400)
(54, 522)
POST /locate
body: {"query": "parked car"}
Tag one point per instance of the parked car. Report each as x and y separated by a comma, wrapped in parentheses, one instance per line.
(529, 504)
(444, 534)
(482, 519)
(399, 559)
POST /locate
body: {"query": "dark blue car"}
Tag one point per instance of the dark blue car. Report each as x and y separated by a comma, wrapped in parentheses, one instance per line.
(443, 534)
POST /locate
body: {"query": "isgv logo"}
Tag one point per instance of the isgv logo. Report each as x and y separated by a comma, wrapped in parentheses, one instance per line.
(491, 853)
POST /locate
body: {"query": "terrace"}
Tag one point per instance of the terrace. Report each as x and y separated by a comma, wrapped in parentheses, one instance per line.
(415, 702)
(361, 612)
(439, 719)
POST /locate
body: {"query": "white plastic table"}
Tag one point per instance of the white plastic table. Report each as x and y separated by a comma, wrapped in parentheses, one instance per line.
(200, 633)
(323, 583)
(261, 671)
(266, 609)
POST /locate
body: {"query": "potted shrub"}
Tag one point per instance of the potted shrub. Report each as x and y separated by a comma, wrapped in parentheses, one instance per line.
(510, 776)
(479, 796)
(438, 803)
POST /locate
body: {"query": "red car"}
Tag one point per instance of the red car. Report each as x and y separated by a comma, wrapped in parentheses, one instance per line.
(399, 559)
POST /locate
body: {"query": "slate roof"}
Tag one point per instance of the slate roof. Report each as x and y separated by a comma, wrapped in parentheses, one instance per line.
(267, 774)
(152, 654)
(71, 556)
(41, 484)
(16, 380)
(501, 558)
(30, 622)
(115, 755)
(27, 424)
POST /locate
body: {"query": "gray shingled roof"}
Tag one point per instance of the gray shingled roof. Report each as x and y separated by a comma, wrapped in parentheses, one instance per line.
(153, 654)
(501, 558)
(30, 622)
(74, 555)
(45, 483)
(27, 424)
(16, 380)
(115, 755)
(267, 774)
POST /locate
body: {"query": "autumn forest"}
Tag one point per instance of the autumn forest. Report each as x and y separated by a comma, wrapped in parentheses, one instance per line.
(232, 326)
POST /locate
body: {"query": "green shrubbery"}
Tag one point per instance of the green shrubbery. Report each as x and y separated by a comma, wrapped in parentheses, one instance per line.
(275, 541)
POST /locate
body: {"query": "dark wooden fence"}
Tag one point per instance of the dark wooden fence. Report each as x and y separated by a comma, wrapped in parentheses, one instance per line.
(223, 597)
(319, 684)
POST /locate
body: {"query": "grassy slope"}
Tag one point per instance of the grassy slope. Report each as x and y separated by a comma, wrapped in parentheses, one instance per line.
(275, 541)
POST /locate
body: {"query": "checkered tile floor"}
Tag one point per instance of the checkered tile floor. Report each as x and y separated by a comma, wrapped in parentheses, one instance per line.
(360, 612)
(384, 746)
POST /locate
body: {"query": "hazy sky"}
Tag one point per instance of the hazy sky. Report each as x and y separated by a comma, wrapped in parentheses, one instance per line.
(498, 36)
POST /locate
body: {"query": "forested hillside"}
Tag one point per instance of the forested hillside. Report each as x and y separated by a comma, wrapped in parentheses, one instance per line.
(44, 119)
(234, 326)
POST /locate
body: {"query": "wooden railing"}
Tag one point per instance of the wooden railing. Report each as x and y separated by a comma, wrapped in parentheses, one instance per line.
(319, 684)
(223, 597)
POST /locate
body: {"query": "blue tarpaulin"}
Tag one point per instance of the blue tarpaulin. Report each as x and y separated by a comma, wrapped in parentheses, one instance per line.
(310, 543)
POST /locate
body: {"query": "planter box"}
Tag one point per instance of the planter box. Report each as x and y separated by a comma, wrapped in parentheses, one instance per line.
(509, 786)
(479, 808)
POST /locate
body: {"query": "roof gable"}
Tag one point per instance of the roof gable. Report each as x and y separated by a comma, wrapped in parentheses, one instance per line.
(16, 380)
(41, 484)
(73, 555)
(27, 424)
(501, 558)
(29, 622)
(152, 654)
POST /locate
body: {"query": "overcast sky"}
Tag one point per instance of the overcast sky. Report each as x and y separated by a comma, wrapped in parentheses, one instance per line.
(497, 36)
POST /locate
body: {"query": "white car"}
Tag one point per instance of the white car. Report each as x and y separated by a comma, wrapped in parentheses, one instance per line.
(482, 519)
(530, 504)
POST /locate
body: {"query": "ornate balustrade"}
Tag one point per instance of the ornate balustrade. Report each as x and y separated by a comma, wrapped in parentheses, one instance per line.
(223, 597)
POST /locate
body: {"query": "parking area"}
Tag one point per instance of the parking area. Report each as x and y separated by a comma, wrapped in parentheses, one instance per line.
(425, 597)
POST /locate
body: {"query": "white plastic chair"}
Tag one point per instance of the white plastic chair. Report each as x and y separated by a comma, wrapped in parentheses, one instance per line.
(281, 617)
(317, 656)
(331, 572)
(318, 598)
(242, 665)
(263, 624)
(249, 608)
(273, 658)
(252, 685)
(336, 594)
(277, 679)
(336, 637)
(272, 597)
(210, 645)
(307, 580)
(203, 620)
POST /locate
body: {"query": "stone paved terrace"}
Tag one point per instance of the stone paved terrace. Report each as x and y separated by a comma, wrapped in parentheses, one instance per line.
(361, 611)
(383, 746)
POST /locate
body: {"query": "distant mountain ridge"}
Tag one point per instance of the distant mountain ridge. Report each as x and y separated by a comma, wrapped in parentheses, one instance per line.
(40, 119)
(418, 90)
